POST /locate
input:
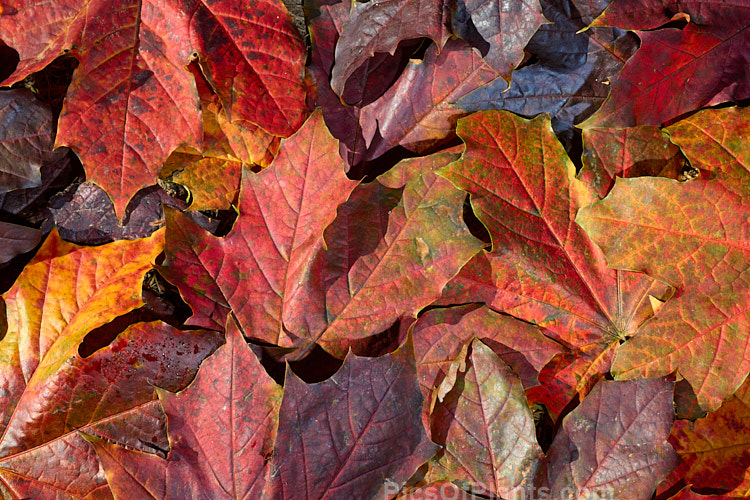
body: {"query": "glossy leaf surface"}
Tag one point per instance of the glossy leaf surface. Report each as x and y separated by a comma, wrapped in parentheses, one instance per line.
(506, 27)
(109, 394)
(570, 76)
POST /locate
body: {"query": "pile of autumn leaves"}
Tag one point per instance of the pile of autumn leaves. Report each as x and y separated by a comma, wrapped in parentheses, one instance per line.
(634, 268)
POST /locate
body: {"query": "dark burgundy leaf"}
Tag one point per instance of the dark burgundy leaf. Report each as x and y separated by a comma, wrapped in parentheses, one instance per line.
(379, 26)
(15, 240)
(27, 136)
(343, 437)
(417, 112)
(86, 216)
(367, 83)
(615, 443)
(32, 204)
(507, 26)
(570, 79)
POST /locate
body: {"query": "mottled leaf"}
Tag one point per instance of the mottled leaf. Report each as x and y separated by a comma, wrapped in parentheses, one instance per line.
(132, 101)
(440, 334)
(258, 267)
(486, 426)
(543, 268)
(716, 448)
(109, 394)
(629, 152)
(354, 435)
(694, 236)
(63, 293)
(424, 246)
(212, 173)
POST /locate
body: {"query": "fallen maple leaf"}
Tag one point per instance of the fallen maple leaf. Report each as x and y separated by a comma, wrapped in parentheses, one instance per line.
(716, 449)
(51, 391)
(425, 244)
(629, 152)
(212, 173)
(85, 215)
(570, 78)
(132, 102)
(321, 251)
(366, 84)
(542, 267)
(221, 433)
(676, 71)
(420, 120)
(15, 240)
(256, 269)
(440, 335)
(27, 133)
(354, 435)
(506, 27)
(486, 427)
(694, 236)
(380, 26)
(614, 445)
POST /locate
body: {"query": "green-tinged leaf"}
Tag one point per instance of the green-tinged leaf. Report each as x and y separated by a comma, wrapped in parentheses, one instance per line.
(693, 235)
(486, 427)
(543, 268)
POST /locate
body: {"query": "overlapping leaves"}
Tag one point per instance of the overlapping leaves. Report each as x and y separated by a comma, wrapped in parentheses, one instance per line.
(542, 267)
(703, 333)
(131, 101)
(483, 316)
